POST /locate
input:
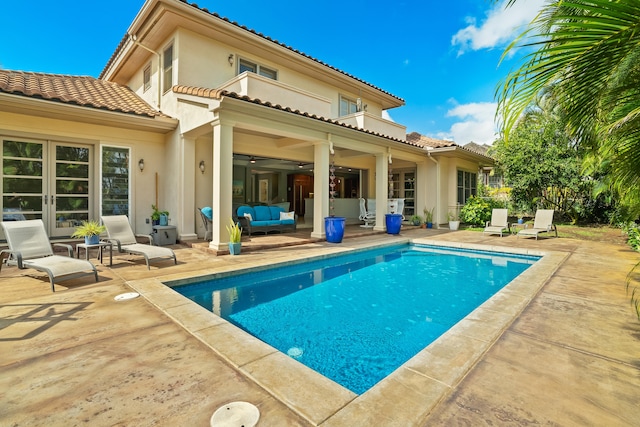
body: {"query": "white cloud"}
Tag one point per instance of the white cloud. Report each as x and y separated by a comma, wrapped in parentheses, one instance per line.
(499, 27)
(476, 123)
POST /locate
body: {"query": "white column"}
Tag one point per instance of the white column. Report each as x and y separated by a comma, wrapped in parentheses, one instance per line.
(422, 187)
(321, 160)
(382, 190)
(222, 168)
(185, 220)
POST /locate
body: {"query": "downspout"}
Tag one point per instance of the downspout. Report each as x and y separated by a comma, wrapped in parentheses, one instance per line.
(429, 149)
(133, 38)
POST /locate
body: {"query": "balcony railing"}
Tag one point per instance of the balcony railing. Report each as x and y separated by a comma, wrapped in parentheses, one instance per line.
(375, 124)
(258, 87)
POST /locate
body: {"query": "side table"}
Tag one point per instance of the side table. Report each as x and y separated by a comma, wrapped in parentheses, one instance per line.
(515, 227)
(100, 246)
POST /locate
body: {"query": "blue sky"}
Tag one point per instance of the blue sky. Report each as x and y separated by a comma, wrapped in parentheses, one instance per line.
(441, 57)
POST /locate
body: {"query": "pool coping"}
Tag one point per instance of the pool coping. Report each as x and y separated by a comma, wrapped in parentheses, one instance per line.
(407, 395)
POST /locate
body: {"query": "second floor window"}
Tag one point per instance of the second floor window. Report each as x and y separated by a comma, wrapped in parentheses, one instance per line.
(245, 65)
(167, 68)
(146, 77)
(347, 106)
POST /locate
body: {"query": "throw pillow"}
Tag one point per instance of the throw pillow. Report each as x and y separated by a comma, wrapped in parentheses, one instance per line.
(248, 216)
(287, 215)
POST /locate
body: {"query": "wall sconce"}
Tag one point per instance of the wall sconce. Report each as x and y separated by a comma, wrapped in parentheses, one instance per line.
(252, 159)
(141, 164)
(300, 165)
(230, 59)
(201, 166)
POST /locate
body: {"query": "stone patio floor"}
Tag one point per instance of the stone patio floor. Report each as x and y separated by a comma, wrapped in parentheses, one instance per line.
(568, 355)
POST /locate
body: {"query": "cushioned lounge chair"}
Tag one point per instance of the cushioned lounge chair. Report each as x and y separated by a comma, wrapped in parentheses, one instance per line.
(498, 223)
(543, 223)
(29, 247)
(120, 233)
(367, 216)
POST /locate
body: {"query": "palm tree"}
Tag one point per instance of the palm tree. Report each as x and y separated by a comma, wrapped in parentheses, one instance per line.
(587, 53)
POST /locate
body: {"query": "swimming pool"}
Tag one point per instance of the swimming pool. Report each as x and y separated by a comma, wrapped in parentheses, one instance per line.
(356, 318)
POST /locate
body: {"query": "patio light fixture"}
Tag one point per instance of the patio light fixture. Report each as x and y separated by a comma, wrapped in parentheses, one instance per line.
(252, 159)
(201, 166)
(141, 164)
(230, 59)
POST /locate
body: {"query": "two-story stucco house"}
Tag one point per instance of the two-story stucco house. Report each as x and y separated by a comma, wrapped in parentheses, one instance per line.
(193, 110)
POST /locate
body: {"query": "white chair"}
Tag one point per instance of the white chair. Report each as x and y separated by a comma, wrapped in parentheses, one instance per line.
(543, 223)
(206, 221)
(498, 223)
(29, 247)
(119, 231)
(367, 216)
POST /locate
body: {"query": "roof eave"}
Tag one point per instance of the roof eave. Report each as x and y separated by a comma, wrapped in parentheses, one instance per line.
(22, 104)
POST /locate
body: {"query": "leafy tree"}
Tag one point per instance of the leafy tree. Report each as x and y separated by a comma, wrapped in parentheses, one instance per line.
(542, 165)
(588, 51)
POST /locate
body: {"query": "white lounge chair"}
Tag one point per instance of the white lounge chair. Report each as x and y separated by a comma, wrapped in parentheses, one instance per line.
(498, 223)
(367, 216)
(29, 247)
(543, 223)
(120, 232)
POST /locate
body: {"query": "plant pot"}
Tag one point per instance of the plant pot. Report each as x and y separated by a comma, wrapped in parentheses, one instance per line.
(453, 225)
(234, 248)
(92, 240)
(423, 225)
(155, 222)
(334, 228)
(393, 223)
(429, 225)
(520, 220)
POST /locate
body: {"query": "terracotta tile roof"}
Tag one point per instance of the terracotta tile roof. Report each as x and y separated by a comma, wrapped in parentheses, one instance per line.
(126, 37)
(77, 90)
(477, 148)
(425, 141)
(219, 94)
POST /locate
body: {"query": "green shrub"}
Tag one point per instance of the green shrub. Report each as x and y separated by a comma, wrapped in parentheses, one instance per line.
(476, 211)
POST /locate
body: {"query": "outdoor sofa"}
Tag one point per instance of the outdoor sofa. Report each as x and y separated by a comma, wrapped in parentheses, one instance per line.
(265, 219)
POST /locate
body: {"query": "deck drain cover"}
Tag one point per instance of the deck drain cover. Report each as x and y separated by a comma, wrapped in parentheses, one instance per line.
(235, 414)
(126, 296)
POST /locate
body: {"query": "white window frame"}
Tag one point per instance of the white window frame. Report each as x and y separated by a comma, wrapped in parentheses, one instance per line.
(146, 78)
(351, 106)
(256, 68)
(167, 69)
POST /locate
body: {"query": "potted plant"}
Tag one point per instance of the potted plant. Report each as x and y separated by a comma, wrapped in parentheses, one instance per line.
(90, 230)
(235, 235)
(333, 225)
(428, 216)
(159, 217)
(416, 220)
(454, 222)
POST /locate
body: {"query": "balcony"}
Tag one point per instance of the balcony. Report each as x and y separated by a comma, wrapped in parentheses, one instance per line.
(258, 87)
(375, 124)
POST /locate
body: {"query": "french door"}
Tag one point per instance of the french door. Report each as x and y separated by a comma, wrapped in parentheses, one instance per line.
(46, 180)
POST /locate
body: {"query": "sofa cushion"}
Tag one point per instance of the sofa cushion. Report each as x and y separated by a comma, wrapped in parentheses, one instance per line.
(287, 221)
(275, 212)
(287, 215)
(207, 211)
(263, 213)
(264, 223)
(245, 209)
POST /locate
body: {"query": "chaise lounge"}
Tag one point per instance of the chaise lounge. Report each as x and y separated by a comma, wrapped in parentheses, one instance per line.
(120, 233)
(498, 223)
(29, 247)
(543, 223)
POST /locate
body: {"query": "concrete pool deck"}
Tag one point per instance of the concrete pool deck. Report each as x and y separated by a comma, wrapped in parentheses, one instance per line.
(570, 357)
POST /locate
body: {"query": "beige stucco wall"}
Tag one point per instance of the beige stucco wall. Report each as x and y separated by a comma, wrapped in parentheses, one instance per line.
(143, 144)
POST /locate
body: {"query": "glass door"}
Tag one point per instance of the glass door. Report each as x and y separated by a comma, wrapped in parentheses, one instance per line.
(69, 188)
(23, 184)
(48, 181)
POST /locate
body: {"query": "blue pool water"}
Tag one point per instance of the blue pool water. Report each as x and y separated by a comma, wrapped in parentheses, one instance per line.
(356, 318)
